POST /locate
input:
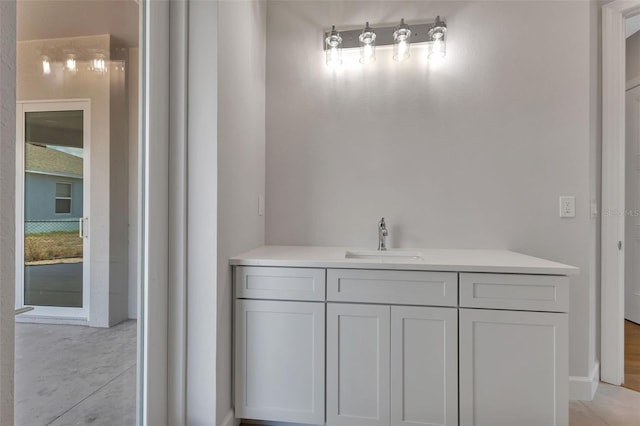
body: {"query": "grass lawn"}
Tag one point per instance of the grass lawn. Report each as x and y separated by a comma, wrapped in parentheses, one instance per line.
(52, 246)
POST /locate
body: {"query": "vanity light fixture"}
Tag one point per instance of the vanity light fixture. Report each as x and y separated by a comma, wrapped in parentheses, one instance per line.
(437, 33)
(401, 40)
(428, 36)
(46, 65)
(99, 65)
(367, 45)
(334, 48)
(70, 64)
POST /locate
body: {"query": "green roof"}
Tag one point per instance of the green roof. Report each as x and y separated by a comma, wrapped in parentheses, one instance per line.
(39, 158)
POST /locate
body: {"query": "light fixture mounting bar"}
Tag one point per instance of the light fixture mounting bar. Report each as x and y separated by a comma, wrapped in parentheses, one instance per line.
(384, 35)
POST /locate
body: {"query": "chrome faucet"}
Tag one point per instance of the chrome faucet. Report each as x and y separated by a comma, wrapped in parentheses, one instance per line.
(382, 235)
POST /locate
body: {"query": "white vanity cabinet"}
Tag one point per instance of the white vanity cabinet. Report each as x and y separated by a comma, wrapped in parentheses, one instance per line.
(280, 346)
(513, 363)
(474, 338)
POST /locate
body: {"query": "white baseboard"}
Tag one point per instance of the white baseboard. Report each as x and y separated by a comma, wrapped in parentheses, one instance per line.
(584, 388)
(230, 420)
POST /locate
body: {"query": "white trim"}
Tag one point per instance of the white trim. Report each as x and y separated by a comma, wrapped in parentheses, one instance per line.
(633, 83)
(67, 175)
(50, 312)
(230, 420)
(613, 185)
(584, 388)
(153, 301)
(178, 198)
(25, 318)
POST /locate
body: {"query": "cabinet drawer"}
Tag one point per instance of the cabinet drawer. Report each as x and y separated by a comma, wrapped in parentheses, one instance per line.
(393, 287)
(280, 283)
(515, 292)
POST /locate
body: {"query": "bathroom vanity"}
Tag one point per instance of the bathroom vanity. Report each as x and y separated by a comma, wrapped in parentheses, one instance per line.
(325, 335)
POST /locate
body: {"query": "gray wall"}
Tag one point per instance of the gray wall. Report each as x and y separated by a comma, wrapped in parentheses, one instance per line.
(471, 153)
(241, 162)
(40, 194)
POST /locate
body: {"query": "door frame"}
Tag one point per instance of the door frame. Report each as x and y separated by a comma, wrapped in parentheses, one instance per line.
(22, 107)
(153, 302)
(613, 188)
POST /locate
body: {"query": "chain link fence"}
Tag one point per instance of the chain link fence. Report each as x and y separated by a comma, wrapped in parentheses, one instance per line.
(51, 241)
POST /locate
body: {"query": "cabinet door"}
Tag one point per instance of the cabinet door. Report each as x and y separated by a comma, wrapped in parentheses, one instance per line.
(424, 366)
(513, 368)
(357, 364)
(280, 361)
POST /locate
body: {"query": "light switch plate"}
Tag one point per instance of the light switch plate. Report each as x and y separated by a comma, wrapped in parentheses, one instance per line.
(260, 205)
(567, 206)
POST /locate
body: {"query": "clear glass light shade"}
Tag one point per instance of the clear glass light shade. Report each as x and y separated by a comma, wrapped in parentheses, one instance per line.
(99, 64)
(367, 45)
(401, 41)
(70, 64)
(438, 48)
(46, 65)
(334, 48)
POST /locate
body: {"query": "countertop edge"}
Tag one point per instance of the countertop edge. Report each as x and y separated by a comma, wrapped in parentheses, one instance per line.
(287, 263)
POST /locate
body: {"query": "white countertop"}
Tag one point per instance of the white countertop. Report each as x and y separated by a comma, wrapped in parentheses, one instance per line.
(468, 260)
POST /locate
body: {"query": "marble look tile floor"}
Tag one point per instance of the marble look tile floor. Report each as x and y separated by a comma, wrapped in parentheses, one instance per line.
(71, 375)
(74, 375)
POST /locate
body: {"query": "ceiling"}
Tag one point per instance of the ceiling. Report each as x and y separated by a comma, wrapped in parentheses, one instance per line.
(43, 19)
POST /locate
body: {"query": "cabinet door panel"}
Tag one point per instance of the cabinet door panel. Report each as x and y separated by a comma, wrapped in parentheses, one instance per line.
(357, 364)
(513, 368)
(280, 361)
(424, 366)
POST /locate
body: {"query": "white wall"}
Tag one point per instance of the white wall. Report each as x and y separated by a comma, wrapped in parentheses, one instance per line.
(202, 212)
(134, 146)
(473, 152)
(633, 57)
(118, 185)
(241, 162)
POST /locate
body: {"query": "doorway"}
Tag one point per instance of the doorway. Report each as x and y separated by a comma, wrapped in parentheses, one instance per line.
(632, 199)
(614, 204)
(53, 181)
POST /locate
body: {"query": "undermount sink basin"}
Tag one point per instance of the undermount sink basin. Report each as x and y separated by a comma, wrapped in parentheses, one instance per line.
(380, 254)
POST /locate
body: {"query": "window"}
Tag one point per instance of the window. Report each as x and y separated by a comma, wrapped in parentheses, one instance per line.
(63, 198)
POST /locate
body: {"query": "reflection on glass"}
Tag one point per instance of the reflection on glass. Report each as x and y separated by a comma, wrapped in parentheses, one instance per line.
(53, 207)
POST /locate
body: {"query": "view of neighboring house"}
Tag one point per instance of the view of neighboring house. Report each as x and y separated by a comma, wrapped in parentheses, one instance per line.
(53, 190)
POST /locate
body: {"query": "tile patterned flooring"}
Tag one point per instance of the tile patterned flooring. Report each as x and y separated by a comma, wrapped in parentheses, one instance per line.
(73, 375)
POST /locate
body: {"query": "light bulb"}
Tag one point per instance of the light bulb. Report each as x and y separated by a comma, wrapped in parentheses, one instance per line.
(436, 34)
(70, 64)
(99, 65)
(46, 65)
(437, 50)
(367, 45)
(401, 40)
(334, 48)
